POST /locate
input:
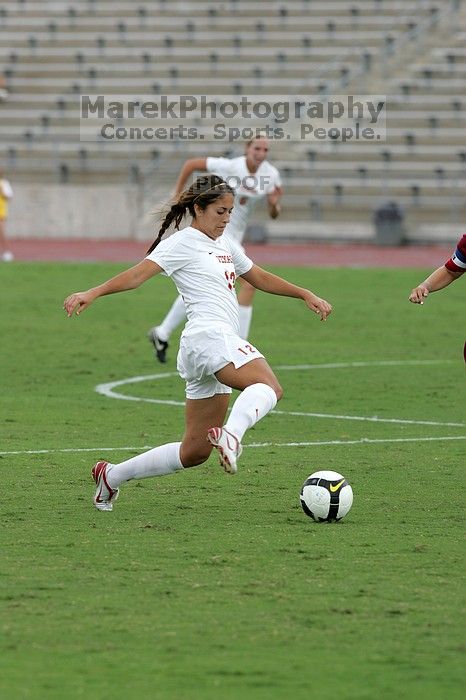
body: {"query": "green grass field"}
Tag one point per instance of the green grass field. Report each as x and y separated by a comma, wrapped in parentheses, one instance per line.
(202, 586)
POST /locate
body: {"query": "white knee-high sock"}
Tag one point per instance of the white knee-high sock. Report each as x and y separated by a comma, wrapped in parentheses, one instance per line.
(159, 461)
(173, 319)
(245, 316)
(251, 405)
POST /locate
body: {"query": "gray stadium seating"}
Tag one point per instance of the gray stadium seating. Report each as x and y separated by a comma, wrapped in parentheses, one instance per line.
(410, 50)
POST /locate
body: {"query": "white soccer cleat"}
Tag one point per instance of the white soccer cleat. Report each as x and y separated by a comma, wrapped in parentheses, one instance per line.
(105, 496)
(228, 446)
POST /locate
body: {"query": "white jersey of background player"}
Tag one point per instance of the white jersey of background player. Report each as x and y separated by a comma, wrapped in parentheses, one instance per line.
(252, 178)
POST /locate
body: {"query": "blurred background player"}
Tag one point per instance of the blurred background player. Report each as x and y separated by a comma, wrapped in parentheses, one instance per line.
(253, 178)
(443, 276)
(6, 193)
(3, 88)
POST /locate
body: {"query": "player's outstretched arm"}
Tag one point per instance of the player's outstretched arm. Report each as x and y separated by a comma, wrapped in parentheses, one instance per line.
(128, 279)
(273, 284)
(192, 165)
(273, 201)
(439, 279)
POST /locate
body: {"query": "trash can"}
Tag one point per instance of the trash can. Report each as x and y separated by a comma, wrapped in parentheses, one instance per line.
(389, 224)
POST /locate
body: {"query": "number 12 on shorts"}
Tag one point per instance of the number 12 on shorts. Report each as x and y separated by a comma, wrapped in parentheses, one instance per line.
(247, 349)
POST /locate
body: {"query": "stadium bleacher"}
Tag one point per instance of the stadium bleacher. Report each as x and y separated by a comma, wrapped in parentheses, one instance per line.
(412, 51)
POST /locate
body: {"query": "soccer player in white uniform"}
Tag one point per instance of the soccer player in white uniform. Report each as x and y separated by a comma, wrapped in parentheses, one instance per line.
(253, 178)
(213, 359)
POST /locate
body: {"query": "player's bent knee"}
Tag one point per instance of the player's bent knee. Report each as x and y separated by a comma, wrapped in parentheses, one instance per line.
(278, 390)
(275, 386)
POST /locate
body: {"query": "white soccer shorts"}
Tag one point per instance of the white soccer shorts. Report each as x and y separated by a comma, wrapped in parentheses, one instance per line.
(204, 352)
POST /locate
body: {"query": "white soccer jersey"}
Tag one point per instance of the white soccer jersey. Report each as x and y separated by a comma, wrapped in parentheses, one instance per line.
(249, 187)
(204, 272)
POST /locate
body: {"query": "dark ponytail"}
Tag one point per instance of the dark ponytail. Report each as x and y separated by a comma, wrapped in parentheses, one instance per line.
(203, 191)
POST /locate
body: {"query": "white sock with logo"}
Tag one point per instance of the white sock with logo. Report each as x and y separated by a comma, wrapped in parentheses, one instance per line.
(251, 405)
(245, 316)
(175, 317)
(159, 461)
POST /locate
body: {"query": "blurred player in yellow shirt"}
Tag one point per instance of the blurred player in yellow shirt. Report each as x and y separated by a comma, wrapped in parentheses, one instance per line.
(6, 193)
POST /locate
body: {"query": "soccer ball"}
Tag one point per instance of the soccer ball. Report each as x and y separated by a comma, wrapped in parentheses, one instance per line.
(326, 496)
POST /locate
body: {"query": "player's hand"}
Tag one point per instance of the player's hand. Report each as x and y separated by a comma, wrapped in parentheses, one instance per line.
(79, 301)
(319, 306)
(418, 294)
(274, 203)
(275, 210)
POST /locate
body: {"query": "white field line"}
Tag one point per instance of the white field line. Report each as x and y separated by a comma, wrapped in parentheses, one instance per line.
(315, 443)
(107, 389)
(377, 363)
(358, 441)
(370, 419)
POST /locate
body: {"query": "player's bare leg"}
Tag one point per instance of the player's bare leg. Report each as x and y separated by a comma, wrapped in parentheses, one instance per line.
(5, 254)
(201, 415)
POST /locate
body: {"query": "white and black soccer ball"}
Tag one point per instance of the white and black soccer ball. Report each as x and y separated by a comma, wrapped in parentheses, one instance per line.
(326, 496)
